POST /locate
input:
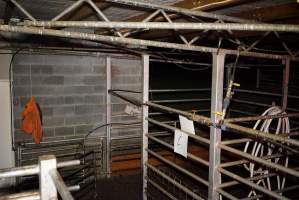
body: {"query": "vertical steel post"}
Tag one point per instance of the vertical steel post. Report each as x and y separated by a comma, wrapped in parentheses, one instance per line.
(285, 84)
(145, 88)
(108, 116)
(47, 186)
(215, 133)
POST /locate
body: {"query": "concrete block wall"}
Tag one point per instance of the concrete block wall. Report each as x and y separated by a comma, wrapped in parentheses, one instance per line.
(126, 78)
(70, 91)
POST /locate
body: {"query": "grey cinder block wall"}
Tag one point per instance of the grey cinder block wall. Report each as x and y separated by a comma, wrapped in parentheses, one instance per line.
(71, 92)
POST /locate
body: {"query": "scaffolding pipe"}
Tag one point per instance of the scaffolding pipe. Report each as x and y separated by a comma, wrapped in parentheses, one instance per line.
(138, 42)
(166, 25)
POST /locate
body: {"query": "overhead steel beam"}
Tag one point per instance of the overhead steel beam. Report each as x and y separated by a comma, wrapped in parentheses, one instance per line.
(182, 11)
(139, 42)
(167, 25)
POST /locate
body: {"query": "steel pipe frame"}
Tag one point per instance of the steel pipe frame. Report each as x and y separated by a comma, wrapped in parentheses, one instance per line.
(145, 98)
(153, 183)
(293, 187)
(108, 115)
(182, 11)
(180, 100)
(185, 12)
(206, 121)
(189, 155)
(177, 184)
(255, 178)
(32, 169)
(33, 195)
(255, 118)
(251, 184)
(139, 42)
(166, 25)
(215, 133)
(226, 194)
(260, 160)
(179, 168)
(195, 137)
(179, 90)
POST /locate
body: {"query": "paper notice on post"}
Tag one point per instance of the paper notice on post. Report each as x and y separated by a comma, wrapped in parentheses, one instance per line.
(180, 143)
(187, 125)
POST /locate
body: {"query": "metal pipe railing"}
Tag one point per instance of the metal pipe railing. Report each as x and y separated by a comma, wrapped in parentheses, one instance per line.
(189, 155)
(179, 168)
(196, 137)
(50, 179)
(174, 182)
(260, 160)
(251, 184)
(32, 195)
(32, 169)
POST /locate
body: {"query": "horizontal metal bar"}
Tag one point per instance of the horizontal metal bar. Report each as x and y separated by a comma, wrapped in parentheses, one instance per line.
(32, 195)
(180, 100)
(260, 160)
(179, 90)
(153, 183)
(261, 134)
(167, 25)
(236, 141)
(196, 137)
(251, 184)
(198, 118)
(179, 168)
(177, 184)
(32, 169)
(255, 118)
(254, 178)
(207, 121)
(119, 40)
(189, 155)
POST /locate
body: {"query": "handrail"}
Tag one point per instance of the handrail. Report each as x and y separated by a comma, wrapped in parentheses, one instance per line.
(50, 179)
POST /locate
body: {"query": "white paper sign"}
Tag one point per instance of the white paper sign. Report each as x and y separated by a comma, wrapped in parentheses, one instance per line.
(180, 142)
(187, 125)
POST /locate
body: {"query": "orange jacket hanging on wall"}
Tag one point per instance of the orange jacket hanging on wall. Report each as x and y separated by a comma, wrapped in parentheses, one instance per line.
(32, 120)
